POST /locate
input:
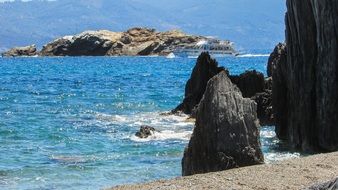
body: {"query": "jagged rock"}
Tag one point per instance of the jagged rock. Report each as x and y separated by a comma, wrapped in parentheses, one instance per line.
(278, 55)
(135, 41)
(21, 51)
(253, 85)
(226, 133)
(204, 70)
(264, 107)
(310, 86)
(250, 83)
(330, 185)
(145, 132)
(279, 89)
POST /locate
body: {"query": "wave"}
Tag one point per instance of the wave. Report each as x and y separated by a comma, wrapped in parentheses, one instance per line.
(164, 135)
(254, 55)
(169, 127)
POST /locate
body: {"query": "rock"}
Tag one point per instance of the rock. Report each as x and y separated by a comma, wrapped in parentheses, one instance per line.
(227, 130)
(58, 47)
(330, 185)
(89, 43)
(204, 70)
(250, 83)
(145, 132)
(264, 107)
(278, 55)
(21, 51)
(279, 90)
(310, 87)
(253, 85)
(135, 41)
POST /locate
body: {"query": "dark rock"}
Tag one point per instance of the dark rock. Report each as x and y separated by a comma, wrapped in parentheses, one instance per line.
(204, 70)
(58, 47)
(330, 185)
(277, 56)
(279, 90)
(264, 107)
(145, 132)
(253, 85)
(311, 76)
(250, 83)
(21, 51)
(227, 130)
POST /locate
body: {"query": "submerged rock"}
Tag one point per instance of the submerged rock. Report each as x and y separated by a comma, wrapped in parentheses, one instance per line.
(204, 70)
(21, 51)
(309, 117)
(227, 130)
(145, 132)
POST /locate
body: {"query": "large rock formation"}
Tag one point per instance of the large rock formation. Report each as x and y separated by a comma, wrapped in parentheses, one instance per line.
(21, 51)
(310, 86)
(135, 41)
(250, 82)
(226, 133)
(278, 55)
(277, 69)
(204, 70)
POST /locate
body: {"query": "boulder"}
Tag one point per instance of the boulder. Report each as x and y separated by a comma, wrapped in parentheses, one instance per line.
(310, 85)
(145, 132)
(204, 70)
(21, 51)
(58, 47)
(253, 85)
(226, 134)
(250, 82)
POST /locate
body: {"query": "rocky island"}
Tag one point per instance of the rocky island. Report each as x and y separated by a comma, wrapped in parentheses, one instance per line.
(133, 42)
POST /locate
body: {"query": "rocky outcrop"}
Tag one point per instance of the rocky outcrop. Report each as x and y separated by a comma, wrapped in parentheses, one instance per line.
(310, 86)
(135, 41)
(253, 85)
(145, 132)
(278, 55)
(277, 69)
(250, 82)
(21, 51)
(227, 130)
(204, 70)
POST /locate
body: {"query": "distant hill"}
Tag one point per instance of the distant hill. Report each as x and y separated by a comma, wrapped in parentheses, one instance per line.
(250, 24)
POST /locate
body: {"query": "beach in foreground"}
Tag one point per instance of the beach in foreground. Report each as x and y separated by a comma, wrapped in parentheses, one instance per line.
(298, 173)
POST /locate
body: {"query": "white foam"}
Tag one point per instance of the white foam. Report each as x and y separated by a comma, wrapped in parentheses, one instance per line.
(272, 157)
(167, 126)
(254, 55)
(164, 135)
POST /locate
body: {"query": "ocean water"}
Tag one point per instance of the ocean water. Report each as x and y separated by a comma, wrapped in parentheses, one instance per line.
(69, 123)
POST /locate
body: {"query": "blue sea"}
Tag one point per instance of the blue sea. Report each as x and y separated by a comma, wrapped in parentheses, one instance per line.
(69, 123)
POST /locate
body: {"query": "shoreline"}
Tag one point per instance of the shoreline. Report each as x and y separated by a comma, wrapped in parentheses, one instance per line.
(298, 173)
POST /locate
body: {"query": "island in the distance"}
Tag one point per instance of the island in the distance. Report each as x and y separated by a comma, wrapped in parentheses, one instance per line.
(134, 42)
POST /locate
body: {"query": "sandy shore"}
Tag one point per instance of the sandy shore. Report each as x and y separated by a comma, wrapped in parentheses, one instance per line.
(290, 174)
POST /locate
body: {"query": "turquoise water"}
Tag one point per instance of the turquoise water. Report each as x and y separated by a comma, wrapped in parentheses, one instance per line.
(69, 123)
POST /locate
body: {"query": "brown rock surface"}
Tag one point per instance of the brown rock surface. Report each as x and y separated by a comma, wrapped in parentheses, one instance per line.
(21, 51)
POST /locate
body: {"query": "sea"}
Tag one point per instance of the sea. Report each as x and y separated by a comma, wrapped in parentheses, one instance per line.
(70, 122)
